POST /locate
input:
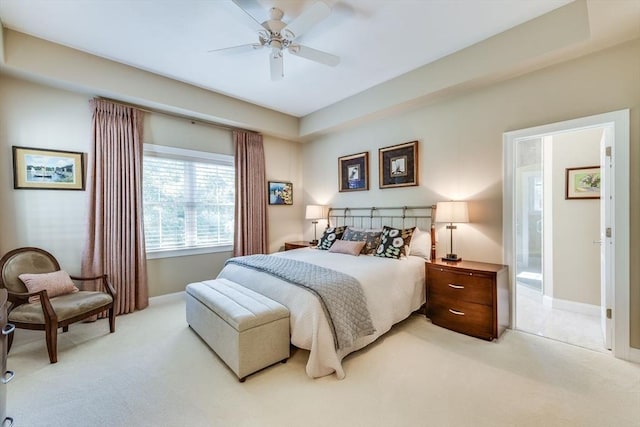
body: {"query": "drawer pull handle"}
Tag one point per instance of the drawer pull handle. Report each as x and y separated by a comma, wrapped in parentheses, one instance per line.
(8, 329)
(454, 286)
(8, 422)
(456, 312)
(7, 376)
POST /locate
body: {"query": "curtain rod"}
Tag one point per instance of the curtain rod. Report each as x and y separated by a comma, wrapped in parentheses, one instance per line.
(193, 120)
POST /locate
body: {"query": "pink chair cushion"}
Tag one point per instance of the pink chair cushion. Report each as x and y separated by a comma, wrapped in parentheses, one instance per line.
(56, 283)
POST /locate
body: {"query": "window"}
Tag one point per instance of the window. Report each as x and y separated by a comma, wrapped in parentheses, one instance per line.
(188, 201)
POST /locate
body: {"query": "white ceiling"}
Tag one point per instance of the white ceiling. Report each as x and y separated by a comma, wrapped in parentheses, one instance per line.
(376, 40)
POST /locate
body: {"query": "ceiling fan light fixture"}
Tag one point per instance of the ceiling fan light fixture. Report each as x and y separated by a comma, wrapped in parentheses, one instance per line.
(276, 44)
(278, 36)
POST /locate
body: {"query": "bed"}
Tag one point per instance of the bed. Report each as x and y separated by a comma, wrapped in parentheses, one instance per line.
(393, 288)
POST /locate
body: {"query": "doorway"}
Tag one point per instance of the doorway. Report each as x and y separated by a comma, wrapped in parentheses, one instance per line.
(614, 231)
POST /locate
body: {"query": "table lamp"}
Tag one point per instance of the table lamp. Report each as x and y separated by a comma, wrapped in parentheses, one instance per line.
(452, 212)
(314, 212)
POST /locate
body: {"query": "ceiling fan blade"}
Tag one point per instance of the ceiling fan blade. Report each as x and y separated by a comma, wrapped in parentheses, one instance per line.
(307, 19)
(314, 55)
(239, 49)
(276, 64)
(251, 5)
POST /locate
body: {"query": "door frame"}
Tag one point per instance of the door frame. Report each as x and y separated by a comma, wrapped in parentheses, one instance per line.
(620, 291)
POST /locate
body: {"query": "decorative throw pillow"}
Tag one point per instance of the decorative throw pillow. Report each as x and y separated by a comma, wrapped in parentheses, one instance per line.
(420, 244)
(371, 238)
(329, 236)
(347, 247)
(56, 283)
(393, 242)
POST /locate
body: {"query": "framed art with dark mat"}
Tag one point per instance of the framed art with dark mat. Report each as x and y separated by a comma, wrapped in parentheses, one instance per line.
(398, 165)
(353, 172)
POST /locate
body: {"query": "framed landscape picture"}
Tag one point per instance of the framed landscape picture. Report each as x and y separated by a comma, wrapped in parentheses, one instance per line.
(398, 165)
(43, 169)
(353, 172)
(582, 183)
(280, 193)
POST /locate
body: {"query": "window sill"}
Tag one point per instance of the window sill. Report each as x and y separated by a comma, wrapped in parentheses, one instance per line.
(173, 253)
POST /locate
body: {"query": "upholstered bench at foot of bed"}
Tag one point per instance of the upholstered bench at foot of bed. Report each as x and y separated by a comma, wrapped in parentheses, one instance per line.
(247, 330)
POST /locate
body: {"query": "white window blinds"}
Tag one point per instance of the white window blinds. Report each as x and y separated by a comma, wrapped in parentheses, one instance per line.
(188, 199)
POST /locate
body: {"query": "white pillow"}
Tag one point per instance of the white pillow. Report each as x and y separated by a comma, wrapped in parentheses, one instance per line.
(420, 244)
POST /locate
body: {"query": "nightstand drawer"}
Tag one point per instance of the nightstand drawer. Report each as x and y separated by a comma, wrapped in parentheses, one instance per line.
(460, 286)
(461, 316)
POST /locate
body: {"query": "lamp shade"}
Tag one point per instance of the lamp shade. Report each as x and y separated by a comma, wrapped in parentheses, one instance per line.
(452, 212)
(314, 212)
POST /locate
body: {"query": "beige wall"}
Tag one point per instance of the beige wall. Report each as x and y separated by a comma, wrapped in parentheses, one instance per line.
(576, 223)
(170, 131)
(283, 163)
(33, 115)
(461, 147)
(37, 116)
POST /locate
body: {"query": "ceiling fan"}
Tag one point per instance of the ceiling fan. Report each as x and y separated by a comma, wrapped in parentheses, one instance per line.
(280, 36)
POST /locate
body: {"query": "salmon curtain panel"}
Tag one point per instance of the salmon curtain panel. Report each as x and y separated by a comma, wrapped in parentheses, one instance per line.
(115, 244)
(251, 195)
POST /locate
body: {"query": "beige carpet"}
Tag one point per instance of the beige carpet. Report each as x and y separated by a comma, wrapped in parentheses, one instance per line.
(155, 371)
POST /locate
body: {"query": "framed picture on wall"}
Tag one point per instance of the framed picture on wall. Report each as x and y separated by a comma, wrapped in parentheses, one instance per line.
(353, 172)
(582, 183)
(398, 165)
(43, 169)
(280, 193)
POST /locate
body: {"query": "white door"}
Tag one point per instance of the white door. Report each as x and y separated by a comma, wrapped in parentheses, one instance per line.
(606, 241)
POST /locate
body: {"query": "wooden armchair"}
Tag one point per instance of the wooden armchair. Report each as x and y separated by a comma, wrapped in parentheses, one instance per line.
(49, 314)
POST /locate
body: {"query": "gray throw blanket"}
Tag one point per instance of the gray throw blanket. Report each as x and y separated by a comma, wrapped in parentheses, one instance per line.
(340, 295)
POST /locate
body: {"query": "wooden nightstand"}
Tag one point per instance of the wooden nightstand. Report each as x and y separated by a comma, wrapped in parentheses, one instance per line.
(468, 297)
(296, 245)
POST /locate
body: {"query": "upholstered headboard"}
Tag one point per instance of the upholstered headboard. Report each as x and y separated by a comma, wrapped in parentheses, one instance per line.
(398, 217)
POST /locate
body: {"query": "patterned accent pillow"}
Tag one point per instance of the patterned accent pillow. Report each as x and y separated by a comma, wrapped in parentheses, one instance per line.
(329, 236)
(393, 242)
(371, 239)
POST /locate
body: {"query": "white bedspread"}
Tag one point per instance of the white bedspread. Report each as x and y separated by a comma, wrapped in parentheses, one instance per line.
(393, 288)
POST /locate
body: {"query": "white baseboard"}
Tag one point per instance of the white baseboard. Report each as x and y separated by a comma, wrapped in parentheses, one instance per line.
(573, 306)
(633, 355)
(165, 297)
